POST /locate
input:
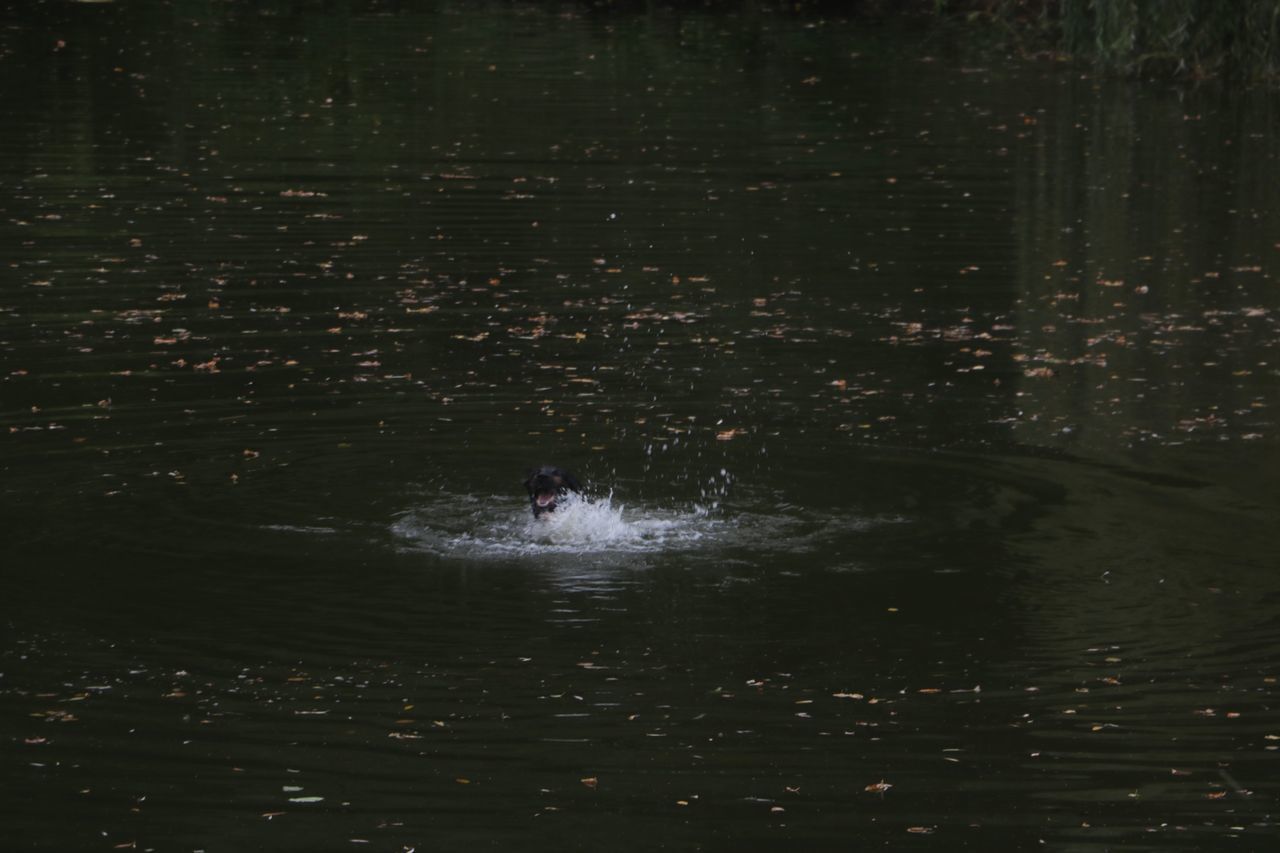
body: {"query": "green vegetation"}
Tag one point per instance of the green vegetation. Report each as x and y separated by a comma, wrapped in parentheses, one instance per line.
(1238, 39)
(1197, 38)
(1189, 38)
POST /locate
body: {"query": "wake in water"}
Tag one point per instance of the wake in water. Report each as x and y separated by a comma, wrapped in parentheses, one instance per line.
(469, 527)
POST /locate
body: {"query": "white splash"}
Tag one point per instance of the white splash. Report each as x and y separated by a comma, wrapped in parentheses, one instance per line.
(471, 527)
(468, 527)
(580, 523)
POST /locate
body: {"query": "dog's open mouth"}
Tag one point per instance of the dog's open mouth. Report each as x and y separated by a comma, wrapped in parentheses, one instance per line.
(546, 487)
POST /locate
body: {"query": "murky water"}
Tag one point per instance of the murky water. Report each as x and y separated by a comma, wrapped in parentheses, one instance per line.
(925, 405)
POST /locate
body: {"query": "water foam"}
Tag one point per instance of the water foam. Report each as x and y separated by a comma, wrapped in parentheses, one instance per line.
(603, 532)
(469, 527)
(580, 523)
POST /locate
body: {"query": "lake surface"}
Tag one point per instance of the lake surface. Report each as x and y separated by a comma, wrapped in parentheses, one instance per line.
(925, 401)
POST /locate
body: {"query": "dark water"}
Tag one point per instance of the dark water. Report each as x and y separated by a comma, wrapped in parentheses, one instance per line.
(927, 406)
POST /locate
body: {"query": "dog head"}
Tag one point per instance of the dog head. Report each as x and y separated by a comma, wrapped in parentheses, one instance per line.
(547, 485)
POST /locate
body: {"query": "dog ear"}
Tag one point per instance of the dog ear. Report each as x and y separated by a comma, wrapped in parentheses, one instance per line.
(528, 480)
(571, 481)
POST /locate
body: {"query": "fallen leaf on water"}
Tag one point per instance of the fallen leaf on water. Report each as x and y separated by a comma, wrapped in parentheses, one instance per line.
(878, 787)
(590, 781)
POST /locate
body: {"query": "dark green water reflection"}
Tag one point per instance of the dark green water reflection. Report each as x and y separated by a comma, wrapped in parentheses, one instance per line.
(926, 405)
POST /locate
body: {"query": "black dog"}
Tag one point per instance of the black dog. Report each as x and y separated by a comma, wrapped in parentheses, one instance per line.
(547, 485)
